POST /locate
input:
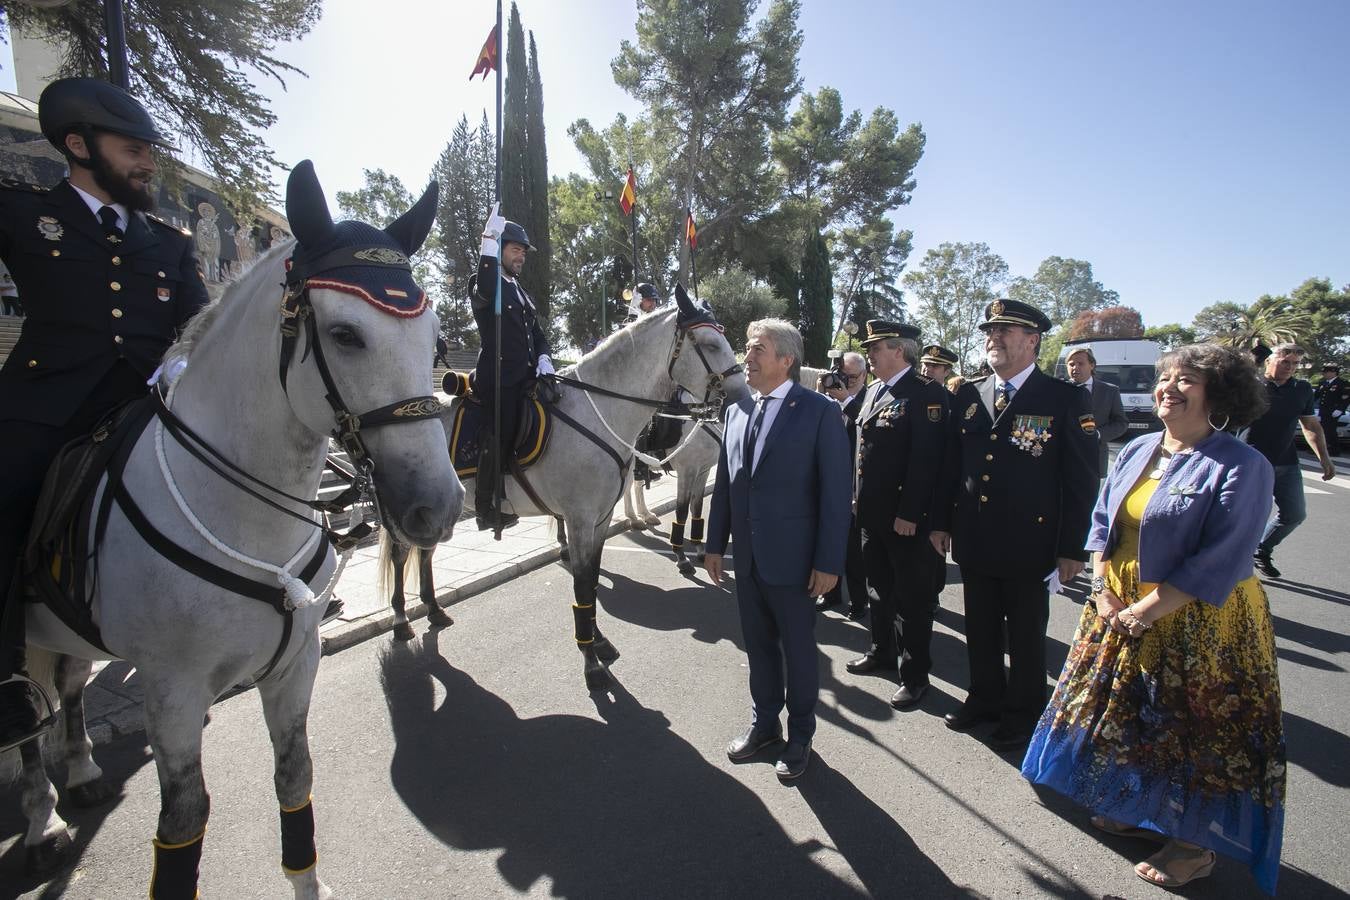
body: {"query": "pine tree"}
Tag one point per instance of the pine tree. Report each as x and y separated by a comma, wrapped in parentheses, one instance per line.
(537, 275)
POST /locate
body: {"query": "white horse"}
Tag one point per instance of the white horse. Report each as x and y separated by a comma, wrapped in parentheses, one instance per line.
(605, 401)
(692, 461)
(265, 399)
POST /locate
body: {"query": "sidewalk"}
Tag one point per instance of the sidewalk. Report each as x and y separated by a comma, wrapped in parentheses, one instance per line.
(469, 563)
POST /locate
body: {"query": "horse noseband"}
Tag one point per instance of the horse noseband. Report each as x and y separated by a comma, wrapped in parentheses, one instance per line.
(714, 394)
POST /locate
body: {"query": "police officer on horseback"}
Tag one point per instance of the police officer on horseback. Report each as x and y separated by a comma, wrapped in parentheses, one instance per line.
(525, 353)
(645, 299)
(106, 287)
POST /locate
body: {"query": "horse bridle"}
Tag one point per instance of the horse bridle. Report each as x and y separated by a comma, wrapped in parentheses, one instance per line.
(716, 381)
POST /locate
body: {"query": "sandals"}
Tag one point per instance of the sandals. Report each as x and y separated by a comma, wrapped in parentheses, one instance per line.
(1173, 859)
(1116, 829)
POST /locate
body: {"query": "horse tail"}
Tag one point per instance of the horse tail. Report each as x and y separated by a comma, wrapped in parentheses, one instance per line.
(385, 565)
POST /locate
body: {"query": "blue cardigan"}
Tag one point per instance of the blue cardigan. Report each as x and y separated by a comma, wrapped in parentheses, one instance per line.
(1204, 520)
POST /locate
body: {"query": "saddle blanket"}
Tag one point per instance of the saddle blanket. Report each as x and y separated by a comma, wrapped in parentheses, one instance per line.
(470, 417)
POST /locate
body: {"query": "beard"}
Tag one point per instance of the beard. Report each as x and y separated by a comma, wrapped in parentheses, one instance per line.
(118, 186)
(514, 268)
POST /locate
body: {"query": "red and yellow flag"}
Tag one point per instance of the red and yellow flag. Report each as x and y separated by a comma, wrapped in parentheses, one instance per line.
(629, 195)
(690, 232)
(487, 57)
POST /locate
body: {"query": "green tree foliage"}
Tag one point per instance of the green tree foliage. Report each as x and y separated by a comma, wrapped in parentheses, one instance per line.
(1112, 322)
(817, 301)
(738, 299)
(1062, 288)
(1170, 336)
(590, 266)
(194, 66)
(538, 278)
(953, 285)
(868, 260)
(1327, 338)
(515, 160)
(1270, 321)
(465, 170)
(1217, 319)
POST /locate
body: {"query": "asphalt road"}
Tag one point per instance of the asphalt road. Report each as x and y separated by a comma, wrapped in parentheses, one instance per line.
(473, 763)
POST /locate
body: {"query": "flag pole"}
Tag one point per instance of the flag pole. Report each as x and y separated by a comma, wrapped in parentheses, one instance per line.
(633, 227)
(498, 476)
(693, 267)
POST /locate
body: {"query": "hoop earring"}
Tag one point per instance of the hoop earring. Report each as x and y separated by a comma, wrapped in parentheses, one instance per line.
(1210, 419)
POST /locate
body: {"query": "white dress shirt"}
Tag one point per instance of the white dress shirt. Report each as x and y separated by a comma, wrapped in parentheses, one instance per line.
(95, 204)
(770, 413)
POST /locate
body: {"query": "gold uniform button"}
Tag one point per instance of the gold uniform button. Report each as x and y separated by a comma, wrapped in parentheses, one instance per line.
(1040, 519)
(117, 313)
(117, 339)
(116, 260)
(56, 253)
(984, 477)
(160, 274)
(32, 364)
(989, 457)
(993, 437)
(984, 499)
(116, 285)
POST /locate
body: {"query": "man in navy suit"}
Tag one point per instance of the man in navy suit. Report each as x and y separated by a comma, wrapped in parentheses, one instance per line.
(783, 496)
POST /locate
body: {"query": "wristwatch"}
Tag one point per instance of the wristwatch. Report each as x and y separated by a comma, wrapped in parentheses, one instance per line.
(1098, 584)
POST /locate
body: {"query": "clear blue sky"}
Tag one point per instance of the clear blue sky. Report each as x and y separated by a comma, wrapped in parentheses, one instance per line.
(1192, 152)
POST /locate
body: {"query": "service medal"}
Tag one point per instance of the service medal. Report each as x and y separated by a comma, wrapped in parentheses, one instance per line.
(50, 228)
(1030, 433)
(970, 412)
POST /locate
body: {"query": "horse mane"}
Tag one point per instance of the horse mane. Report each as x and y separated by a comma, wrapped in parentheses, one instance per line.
(246, 283)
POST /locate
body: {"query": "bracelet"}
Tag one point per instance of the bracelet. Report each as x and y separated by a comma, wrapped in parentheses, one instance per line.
(1134, 615)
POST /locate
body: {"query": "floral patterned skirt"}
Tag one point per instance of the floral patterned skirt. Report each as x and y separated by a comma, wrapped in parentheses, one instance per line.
(1178, 730)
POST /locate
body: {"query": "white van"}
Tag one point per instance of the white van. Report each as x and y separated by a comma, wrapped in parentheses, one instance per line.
(1128, 364)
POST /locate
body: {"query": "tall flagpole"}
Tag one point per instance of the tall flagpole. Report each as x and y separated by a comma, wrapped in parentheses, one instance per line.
(693, 267)
(498, 477)
(633, 225)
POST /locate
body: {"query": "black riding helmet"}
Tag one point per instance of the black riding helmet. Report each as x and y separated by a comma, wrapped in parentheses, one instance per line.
(69, 103)
(514, 234)
(647, 291)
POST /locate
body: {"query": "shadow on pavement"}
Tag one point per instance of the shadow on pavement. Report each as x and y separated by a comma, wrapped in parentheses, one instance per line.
(1323, 751)
(623, 807)
(1311, 636)
(1309, 590)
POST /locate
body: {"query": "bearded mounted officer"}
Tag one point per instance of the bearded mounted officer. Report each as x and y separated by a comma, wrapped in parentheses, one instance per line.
(106, 288)
(525, 352)
(645, 299)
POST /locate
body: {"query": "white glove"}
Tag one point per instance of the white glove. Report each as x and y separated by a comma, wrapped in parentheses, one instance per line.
(492, 232)
(543, 367)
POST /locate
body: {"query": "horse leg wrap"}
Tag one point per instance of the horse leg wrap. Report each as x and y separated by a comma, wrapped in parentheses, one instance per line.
(175, 873)
(676, 534)
(297, 839)
(696, 530)
(583, 619)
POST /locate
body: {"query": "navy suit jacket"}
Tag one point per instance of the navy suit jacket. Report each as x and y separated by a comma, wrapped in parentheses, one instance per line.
(793, 515)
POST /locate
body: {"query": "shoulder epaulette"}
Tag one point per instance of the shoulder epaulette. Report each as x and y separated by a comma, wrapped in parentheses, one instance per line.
(13, 184)
(924, 379)
(151, 217)
(980, 380)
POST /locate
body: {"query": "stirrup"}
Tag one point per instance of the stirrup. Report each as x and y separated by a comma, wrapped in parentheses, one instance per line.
(44, 725)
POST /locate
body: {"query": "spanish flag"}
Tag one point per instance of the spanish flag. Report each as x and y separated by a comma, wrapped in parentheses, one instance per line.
(690, 232)
(487, 57)
(629, 195)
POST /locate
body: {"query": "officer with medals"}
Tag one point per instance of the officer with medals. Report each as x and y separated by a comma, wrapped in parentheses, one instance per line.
(1015, 506)
(1333, 398)
(106, 287)
(525, 353)
(902, 431)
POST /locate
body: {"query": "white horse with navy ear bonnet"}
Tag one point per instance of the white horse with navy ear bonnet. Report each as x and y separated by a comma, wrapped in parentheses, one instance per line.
(264, 386)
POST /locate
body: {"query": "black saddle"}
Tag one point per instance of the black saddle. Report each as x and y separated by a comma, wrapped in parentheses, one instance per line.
(470, 418)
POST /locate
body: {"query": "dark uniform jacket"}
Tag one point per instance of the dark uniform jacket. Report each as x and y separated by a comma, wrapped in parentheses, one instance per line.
(523, 341)
(1333, 397)
(852, 408)
(90, 301)
(1019, 493)
(901, 435)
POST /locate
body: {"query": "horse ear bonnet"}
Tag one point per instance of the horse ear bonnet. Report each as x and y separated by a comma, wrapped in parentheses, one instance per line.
(691, 313)
(353, 257)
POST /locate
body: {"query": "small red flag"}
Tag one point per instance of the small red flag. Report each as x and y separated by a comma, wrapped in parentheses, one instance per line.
(629, 195)
(690, 232)
(487, 57)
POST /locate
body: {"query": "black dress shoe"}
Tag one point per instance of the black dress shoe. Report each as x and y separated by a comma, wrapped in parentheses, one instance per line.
(871, 662)
(1007, 738)
(793, 761)
(824, 603)
(908, 697)
(754, 740)
(485, 522)
(967, 717)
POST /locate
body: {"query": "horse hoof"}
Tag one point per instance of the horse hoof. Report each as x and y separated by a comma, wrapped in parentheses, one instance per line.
(91, 794)
(685, 566)
(633, 524)
(606, 651)
(598, 679)
(403, 632)
(438, 617)
(46, 858)
(652, 521)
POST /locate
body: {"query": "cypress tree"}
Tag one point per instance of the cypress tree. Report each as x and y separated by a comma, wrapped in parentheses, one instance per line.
(515, 196)
(817, 299)
(537, 273)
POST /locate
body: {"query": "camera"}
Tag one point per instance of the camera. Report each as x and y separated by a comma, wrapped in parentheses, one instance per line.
(835, 378)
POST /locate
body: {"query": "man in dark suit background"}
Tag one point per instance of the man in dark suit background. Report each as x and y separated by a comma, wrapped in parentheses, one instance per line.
(1020, 492)
(850, 397)
(1107, 411)
(901, 434)
(782, 498)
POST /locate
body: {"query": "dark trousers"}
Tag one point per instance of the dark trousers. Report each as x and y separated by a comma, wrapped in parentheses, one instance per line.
(1333, 441)
(1024, 604)
(512, 396)
(778, 623)
(855, 573)
(26, 451)
(900, 573)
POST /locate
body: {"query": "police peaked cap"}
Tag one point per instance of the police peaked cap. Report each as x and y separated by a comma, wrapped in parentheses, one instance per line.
(70, 102)
(938, 355)
(647, 291)
(1014, 312)
(514, 234)
(880, 330)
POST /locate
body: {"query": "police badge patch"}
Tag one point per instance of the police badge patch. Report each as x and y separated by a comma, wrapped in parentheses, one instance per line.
(970, 411)
(935, 412)
(50, 228)
(1088, 423)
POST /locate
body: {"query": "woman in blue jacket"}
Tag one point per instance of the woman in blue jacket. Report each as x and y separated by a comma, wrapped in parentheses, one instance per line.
(1166, 719)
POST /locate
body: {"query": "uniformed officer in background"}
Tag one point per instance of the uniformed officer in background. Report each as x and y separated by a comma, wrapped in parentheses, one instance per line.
(105, 287)
(938, 363)
(901, 435)
(525, 353)
(1333, 398)
(1018, 495)
(645, 299)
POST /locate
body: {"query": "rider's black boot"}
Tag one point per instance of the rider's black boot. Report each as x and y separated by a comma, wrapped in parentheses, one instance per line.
(483, 502)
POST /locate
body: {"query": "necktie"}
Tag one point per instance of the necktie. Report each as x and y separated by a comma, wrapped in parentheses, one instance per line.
(1004, 396)
(108, 216)
(763, 403)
